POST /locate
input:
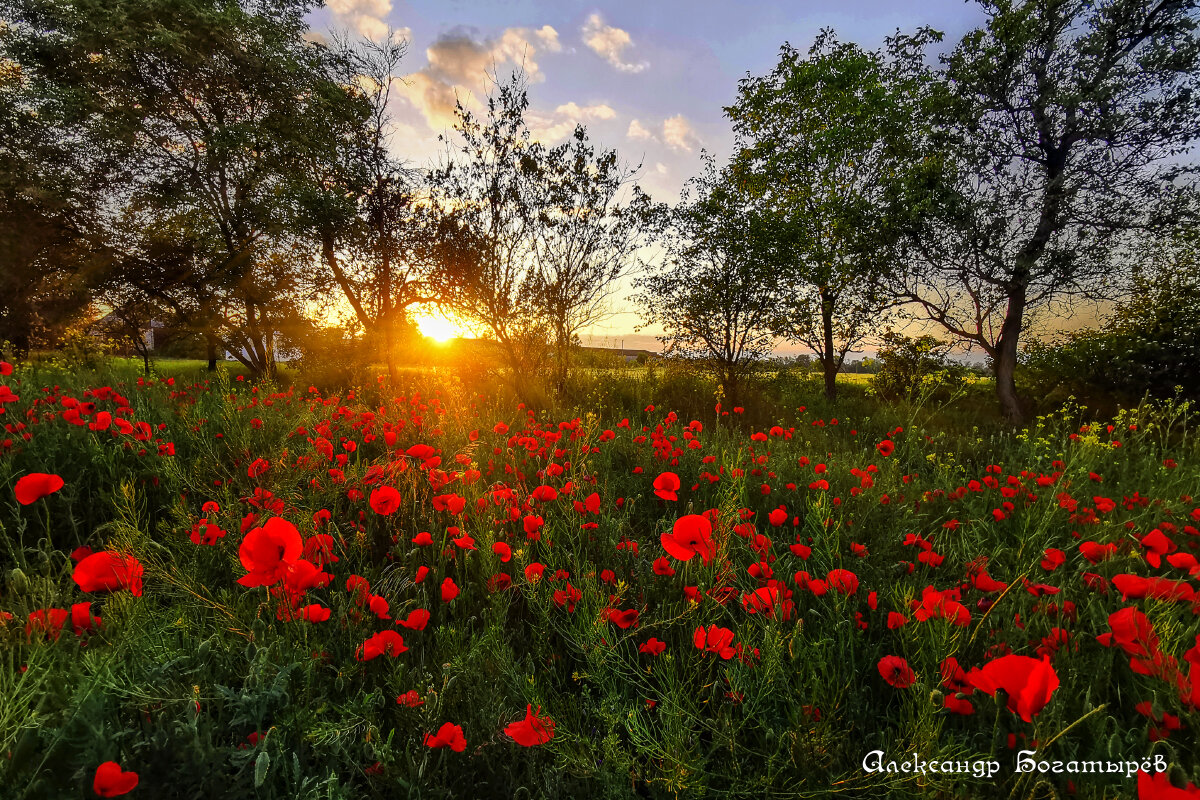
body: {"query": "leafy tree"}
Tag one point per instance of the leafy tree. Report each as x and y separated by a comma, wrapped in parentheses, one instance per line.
(826, 143)
(1061, 123)
(586, 239)
(716, 295)
(910, 367)
(533, 239)
(485, 201)
(52, 183)
(365, 205)
(217, 103)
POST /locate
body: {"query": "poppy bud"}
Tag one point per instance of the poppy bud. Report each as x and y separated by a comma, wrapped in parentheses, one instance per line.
(937, 698)
(18, 583)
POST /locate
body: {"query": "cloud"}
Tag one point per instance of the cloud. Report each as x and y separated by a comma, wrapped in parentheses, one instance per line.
(577, 112)
(610, 44)
(639, 131)
(460, 64)
(434, 98)
(364, 16)
(678, 134)
(550, 127)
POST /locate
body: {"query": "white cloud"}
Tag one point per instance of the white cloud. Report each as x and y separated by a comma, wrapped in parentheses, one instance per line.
(610, 44)
(434, 98)
(575, 111)
(639, 131)
(364, 16)
(550, 127)
(678, 134)
(460, 65)
(660, 168)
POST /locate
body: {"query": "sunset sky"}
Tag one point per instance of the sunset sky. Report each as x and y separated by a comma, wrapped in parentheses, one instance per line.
(647, 78)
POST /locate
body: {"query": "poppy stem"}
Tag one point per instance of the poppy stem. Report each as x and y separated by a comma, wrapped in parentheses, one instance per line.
(46, 515)
(1060, 734)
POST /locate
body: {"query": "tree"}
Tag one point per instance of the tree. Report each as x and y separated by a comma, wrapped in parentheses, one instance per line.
(825, 143)
(585, 239)
(1060, 124)
(365, 205)
(1149, 344)
(52, 183)
(484, 199)
(217, 103)
(533, 238)
(716, 295)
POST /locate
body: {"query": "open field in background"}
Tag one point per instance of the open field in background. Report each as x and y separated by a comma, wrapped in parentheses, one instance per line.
(424, 590)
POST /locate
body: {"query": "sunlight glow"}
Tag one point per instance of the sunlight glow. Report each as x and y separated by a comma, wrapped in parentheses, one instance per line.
(437, 327)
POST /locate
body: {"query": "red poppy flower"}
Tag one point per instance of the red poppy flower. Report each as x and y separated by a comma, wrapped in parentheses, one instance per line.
(416, 620)
(691, 535)
(411, 698)
(1164, 589)
(1158, 786)
(82, 620)
(107, 571)
(714, 640)
(385, 500)
(503, 550)
(895, 670)
(36, 485)
(315, 613)
(1054, 559)
(842, 580)
(653, 646)
(112, 781)
(622, 619)
(267, 550)
(886, 448)
(768, 600)
(449, 590)
(1028, 682)
(49, 621)
(258, 467)
(449, 735)
(383, 643)
(666, 485)
(533, 730)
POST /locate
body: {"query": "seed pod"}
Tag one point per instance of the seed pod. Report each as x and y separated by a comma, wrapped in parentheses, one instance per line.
(18, 583)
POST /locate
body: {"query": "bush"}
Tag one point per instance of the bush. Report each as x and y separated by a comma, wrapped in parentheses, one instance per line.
(1150, 346)
(911, 367)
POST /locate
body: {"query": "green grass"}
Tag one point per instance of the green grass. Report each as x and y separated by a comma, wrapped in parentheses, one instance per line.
(178, 679)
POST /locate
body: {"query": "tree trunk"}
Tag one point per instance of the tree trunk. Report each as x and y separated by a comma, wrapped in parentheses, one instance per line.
(210, 350)
(828, 360)
(1006, 357)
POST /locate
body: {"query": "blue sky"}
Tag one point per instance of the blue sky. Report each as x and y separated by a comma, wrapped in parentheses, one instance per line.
(647, 78)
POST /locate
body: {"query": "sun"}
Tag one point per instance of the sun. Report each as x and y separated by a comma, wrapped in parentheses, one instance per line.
(437, 327)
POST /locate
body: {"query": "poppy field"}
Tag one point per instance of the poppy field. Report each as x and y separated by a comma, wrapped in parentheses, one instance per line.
(212, 588)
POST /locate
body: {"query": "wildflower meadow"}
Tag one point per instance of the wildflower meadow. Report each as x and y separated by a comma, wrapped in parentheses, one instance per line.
(218, 588)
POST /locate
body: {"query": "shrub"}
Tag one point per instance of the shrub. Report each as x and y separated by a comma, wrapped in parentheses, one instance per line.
(1149, 346)
(917, 366)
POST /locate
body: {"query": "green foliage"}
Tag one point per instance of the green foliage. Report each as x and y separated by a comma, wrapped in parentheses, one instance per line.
(202, 688)
(917, 367)
(1149, 346)
(826, 143)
